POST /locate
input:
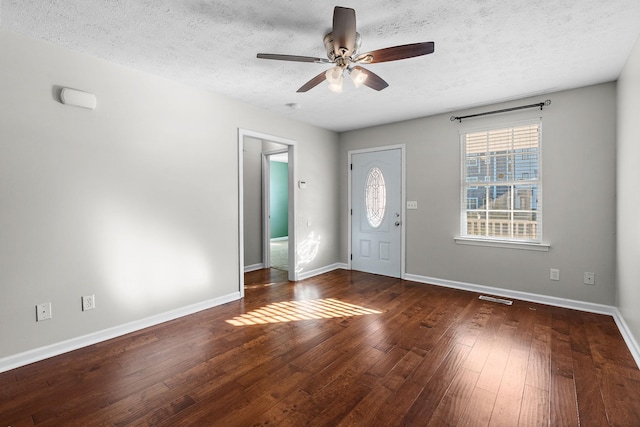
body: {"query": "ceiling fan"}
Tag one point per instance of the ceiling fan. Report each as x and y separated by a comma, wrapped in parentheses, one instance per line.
(342, 45)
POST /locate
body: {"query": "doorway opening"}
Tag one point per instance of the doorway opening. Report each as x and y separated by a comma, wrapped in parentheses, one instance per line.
(255, 152)
(275, 208)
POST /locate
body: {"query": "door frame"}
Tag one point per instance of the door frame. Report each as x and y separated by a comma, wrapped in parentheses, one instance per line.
(403, 202)
(266, 203)
(291, 149)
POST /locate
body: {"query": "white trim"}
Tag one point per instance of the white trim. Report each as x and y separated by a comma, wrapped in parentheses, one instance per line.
(292, 249)
(253, 267)
(279, 239)
(293, 243)
(266, 210)
(589, 307)
(56, 349)
(634, 348)
(241, 212)
(322, 270)
(528, 246)
(403, 200)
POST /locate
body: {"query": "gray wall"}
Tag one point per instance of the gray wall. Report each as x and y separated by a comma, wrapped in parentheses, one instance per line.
(578, 170)
(135, 202)
(628, 181)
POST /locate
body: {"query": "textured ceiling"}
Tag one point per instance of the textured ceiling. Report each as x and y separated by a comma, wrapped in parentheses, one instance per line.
(486, 50)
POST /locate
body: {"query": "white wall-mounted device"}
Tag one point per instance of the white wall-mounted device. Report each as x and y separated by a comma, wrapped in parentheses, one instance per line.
(78, 98)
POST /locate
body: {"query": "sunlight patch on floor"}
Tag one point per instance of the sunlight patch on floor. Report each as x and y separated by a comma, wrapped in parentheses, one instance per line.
(262, 285)
(290, 311)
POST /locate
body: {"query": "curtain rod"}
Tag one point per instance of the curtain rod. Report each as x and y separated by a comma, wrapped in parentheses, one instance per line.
(539, 104)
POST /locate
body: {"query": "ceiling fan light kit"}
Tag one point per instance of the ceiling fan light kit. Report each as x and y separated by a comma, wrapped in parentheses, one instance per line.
(334, 77)
(342, 45)
(357, 76)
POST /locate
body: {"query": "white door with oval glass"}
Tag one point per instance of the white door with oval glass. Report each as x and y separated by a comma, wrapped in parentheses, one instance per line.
(376, 218)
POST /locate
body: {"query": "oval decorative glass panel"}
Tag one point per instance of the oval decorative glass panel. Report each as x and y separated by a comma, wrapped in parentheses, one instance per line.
(375, 197)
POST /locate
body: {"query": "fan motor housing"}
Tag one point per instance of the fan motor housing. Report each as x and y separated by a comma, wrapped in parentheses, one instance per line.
(331, 54)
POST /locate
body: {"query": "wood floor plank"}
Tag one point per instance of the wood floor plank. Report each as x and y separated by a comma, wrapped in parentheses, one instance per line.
(506, 410)
(435, 389)
(128, 409)
(479, 410)
(386, 362)
(392, 411)
(539, 366)
(493, 370)
(563, 410)
(354, 363)
(621, 395)
(562, 397)
(473, 327)
(264, 394)
(455, 401)
(432, 361)
(427, 354)
(534, 411)
(396, 377)
(483, 345)
(342, 405)
(364, 412)
(591, 408)
(330, 388)
(207, 409)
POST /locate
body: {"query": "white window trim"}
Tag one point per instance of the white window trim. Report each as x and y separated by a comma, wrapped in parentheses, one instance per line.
(495, 242)
(506, 244)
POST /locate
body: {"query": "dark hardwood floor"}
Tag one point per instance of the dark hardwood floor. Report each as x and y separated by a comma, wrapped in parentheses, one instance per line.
(344, 348)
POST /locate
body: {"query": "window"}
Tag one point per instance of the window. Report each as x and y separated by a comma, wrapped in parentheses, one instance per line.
(375, 197)
(502, 193)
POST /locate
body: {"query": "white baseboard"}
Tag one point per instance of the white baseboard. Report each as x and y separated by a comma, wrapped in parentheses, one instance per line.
(634, 348)
(253, 267)
(279, 239)
(41, 353)
(318, 271)
(542, 299)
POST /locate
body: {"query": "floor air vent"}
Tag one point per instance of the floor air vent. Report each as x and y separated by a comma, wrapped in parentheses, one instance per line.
(492, 299)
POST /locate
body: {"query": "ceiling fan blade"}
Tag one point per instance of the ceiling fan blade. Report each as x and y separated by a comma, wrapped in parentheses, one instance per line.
(313, 82)
(295, 58)
(344, 31)
(373, 80)
(395, 53)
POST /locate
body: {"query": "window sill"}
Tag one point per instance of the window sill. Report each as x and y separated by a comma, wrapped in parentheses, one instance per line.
(527, 246)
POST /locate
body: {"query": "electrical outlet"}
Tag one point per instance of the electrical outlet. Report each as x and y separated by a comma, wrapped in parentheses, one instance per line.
(589, 278)
(88, 302)
(43, 311)
(554, 274)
